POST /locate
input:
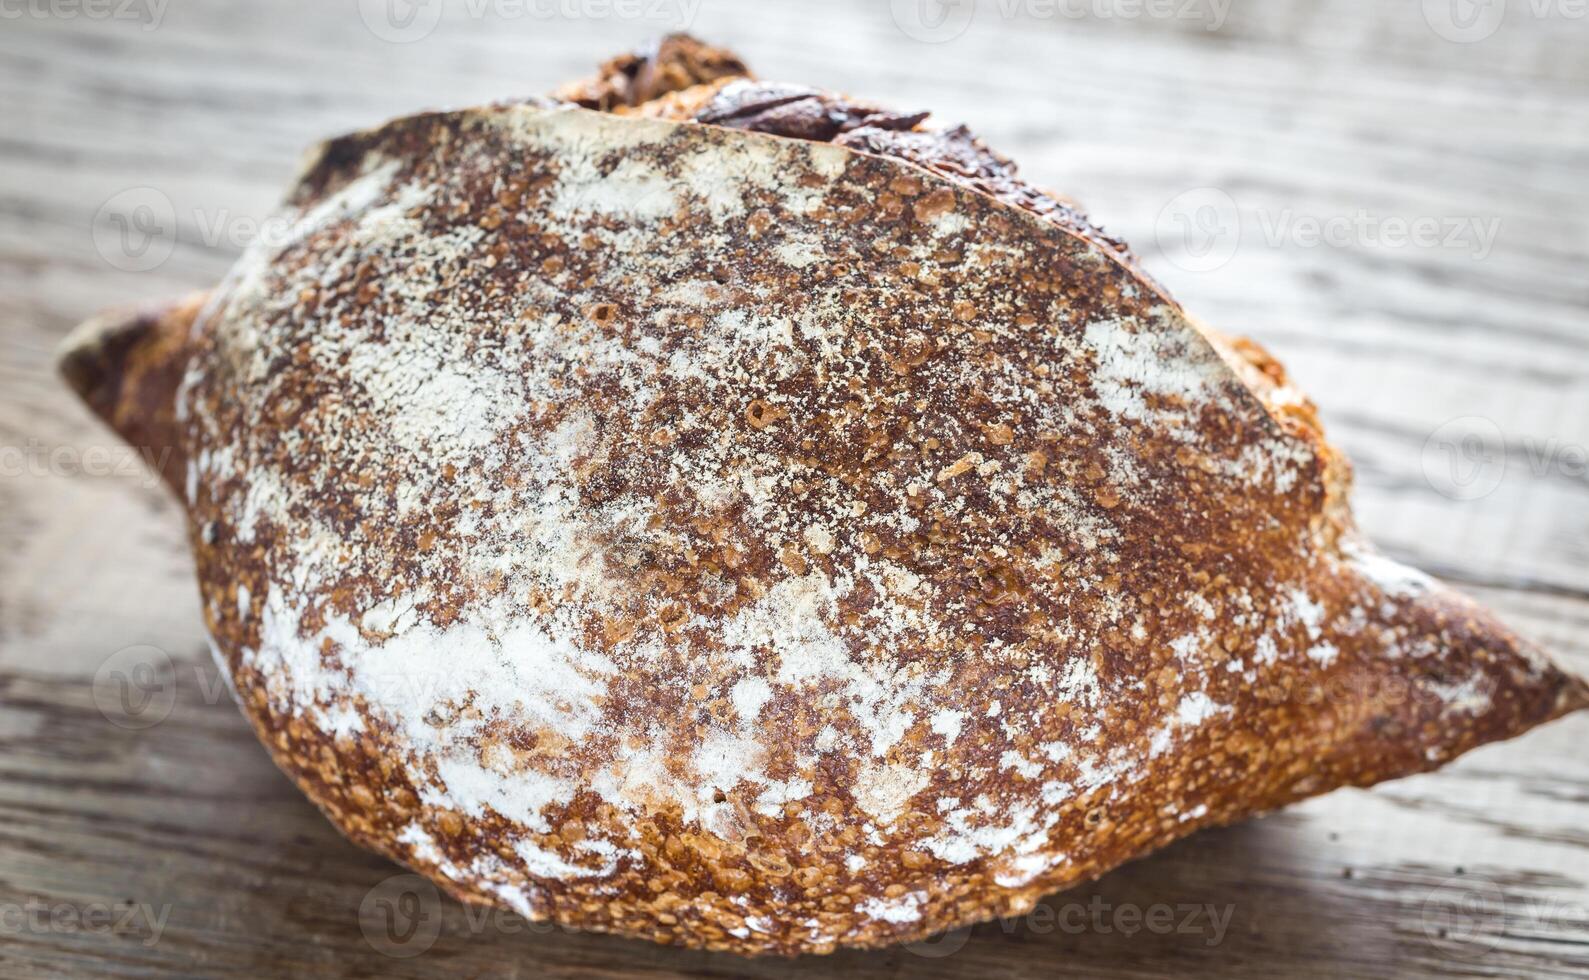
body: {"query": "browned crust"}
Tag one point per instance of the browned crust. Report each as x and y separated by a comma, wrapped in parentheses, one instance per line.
(126, 366)
(970, 354)
(674, 63)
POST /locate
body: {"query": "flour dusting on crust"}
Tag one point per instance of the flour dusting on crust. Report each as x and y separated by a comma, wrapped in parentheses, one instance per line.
(766, 546)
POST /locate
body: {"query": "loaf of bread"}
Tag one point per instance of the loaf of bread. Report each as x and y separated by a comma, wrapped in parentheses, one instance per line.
(741, 517)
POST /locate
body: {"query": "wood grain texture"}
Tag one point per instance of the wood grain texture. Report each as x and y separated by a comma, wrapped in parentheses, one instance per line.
(174, 848)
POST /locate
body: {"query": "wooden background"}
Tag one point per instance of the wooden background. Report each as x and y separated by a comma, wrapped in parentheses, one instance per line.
(144, 833)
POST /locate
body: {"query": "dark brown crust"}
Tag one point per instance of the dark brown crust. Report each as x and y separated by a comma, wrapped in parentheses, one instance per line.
(126, 365)
(1124, 566)
(797, 112)
(957, 154)
(673, 63)
(683, 78)
(1301, 725)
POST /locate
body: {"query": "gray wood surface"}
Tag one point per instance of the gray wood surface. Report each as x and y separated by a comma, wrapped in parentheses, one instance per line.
(150, 836)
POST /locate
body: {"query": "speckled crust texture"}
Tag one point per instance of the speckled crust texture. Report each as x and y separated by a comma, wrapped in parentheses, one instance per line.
(126, 364)
(763, 546)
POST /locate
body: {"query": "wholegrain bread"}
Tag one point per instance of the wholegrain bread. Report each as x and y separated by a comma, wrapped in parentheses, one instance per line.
(767, 544)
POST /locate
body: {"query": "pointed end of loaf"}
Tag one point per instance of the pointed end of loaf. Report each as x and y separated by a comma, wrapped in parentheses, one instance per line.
(1421, 674)
(126, 364)
(1574, 695)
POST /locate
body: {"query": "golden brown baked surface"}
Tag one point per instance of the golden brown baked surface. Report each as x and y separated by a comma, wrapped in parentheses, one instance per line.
(672, 64)
(766, 546)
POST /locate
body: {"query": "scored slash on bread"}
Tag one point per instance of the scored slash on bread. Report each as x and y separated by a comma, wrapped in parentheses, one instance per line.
(766, 544)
